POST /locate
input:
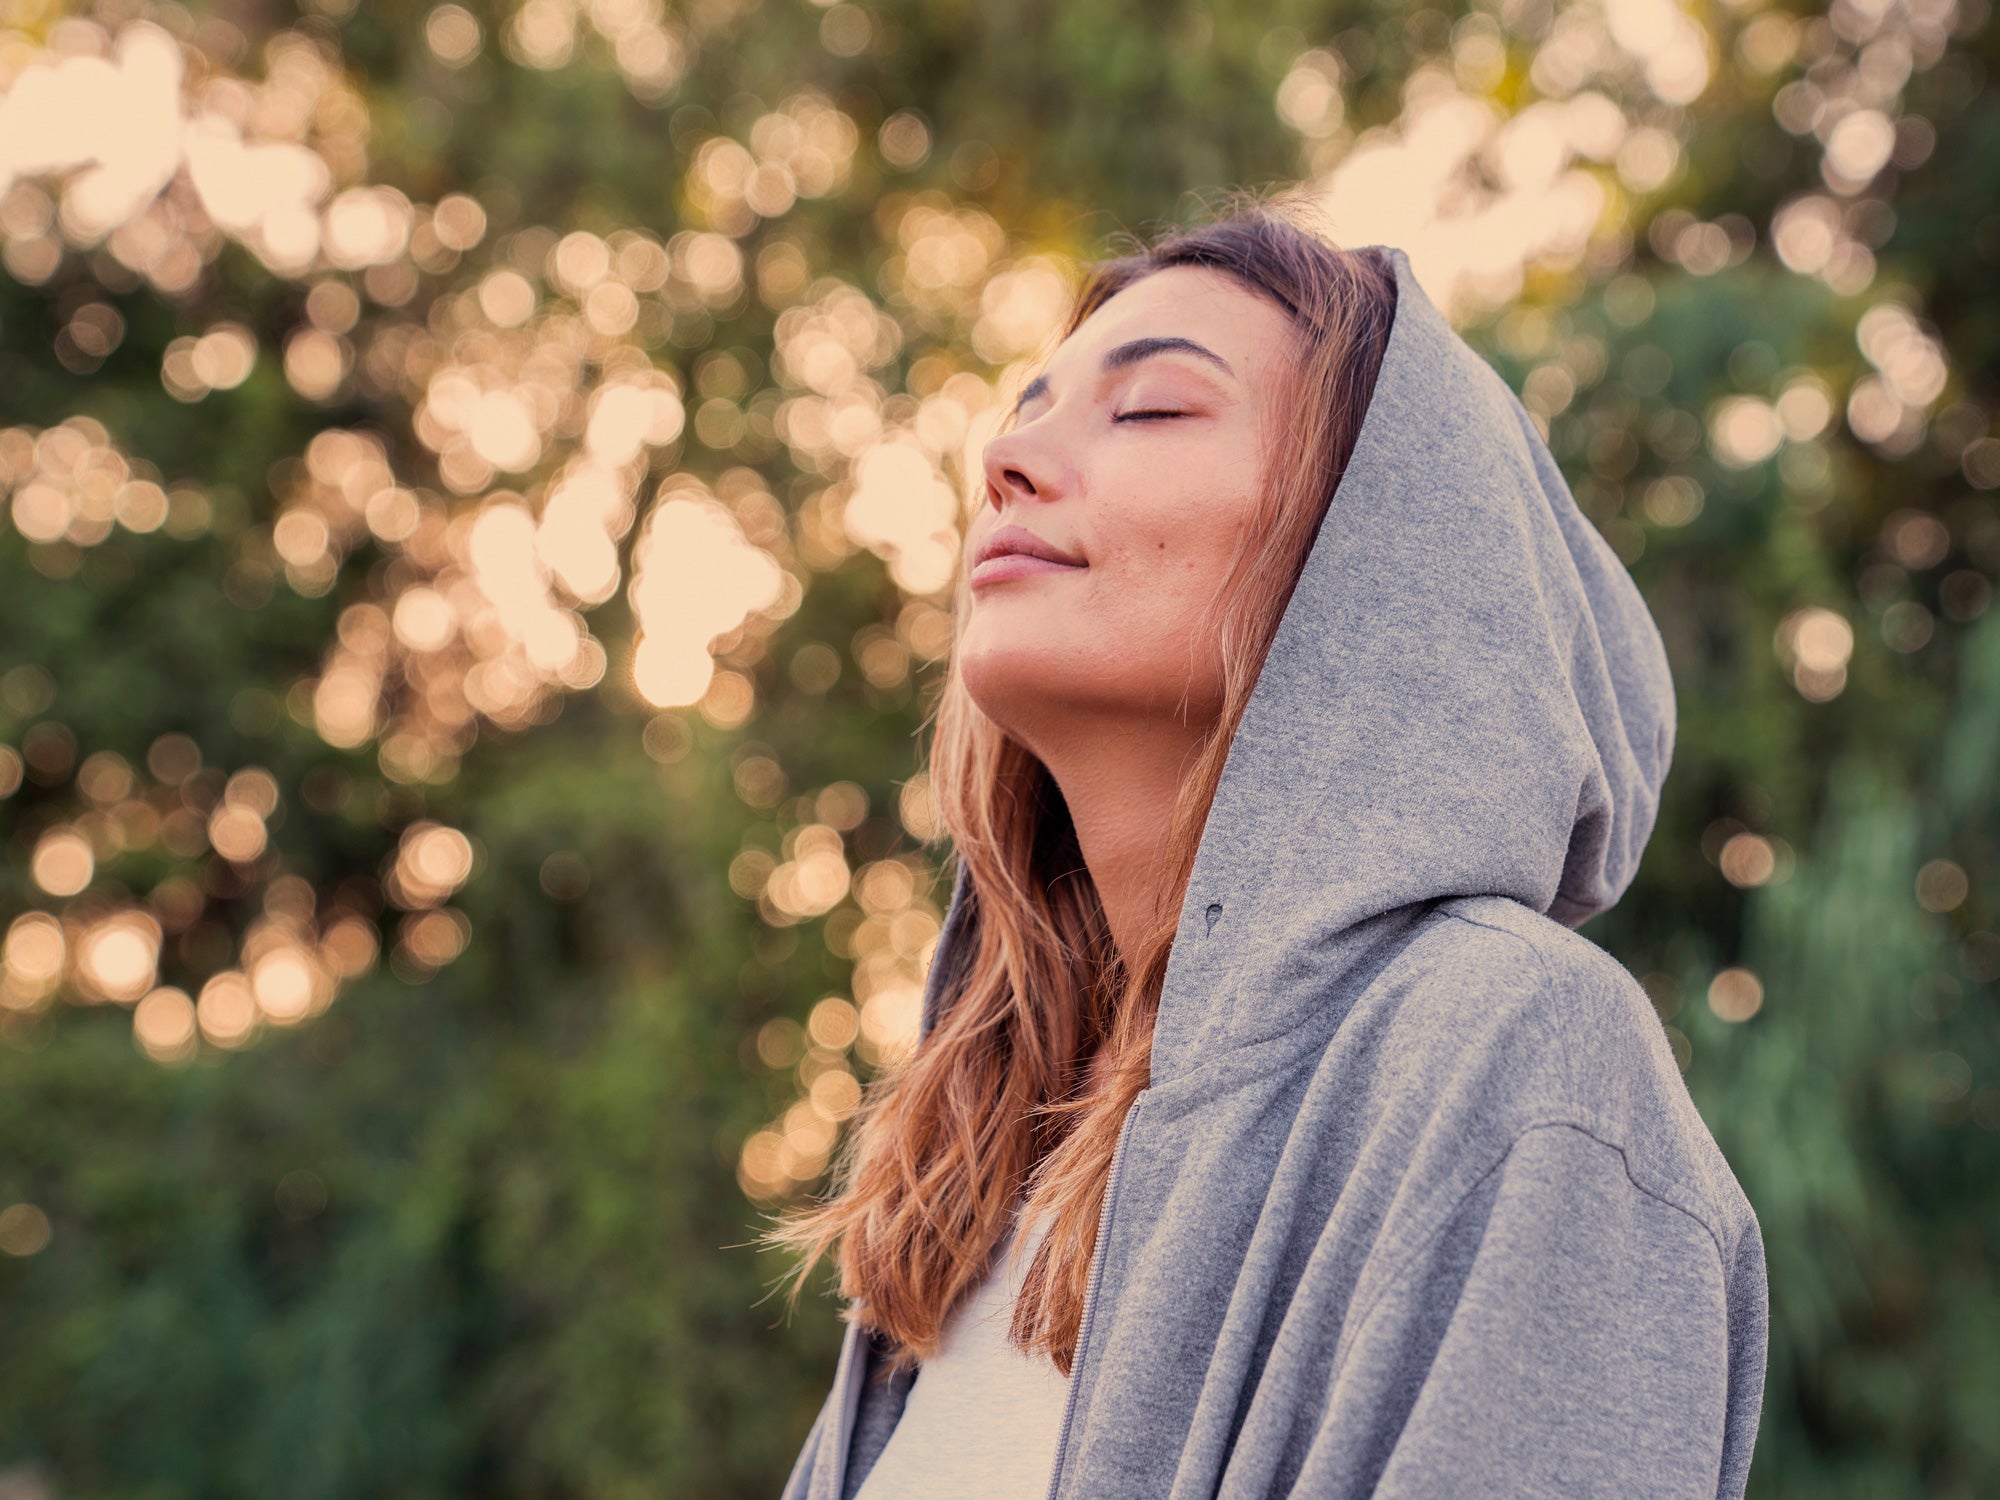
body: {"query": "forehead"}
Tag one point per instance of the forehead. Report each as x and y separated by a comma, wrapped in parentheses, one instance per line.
(1211, 307)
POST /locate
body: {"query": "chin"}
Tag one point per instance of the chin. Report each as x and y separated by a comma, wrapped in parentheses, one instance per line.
(1005, 676)
(1034, 689)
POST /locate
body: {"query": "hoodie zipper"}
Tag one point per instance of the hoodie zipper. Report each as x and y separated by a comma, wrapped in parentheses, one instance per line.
(1090, 1295)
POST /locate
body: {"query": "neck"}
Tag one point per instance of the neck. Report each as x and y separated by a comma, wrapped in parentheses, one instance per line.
(1120, 781)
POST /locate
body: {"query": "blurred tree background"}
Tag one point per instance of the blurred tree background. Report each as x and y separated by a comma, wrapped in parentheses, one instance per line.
(479, 489)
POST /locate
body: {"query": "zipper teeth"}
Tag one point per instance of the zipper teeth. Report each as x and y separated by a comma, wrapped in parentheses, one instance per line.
(1090, 1296)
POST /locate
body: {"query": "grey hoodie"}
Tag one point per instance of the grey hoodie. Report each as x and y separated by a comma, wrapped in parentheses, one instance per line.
(1416, 1202)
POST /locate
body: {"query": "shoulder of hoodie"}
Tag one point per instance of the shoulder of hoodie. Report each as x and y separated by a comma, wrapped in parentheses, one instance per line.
(1528, 1025)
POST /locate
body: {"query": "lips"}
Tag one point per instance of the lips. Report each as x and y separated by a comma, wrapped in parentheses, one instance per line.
(1014, 551)
(1017, 565)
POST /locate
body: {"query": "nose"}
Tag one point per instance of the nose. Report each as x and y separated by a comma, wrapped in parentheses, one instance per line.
(1022, 466)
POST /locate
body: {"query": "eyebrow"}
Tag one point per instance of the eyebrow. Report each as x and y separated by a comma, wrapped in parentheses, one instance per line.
(1130, 353)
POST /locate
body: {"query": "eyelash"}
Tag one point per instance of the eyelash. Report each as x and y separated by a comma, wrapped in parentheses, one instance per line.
(1128, 416)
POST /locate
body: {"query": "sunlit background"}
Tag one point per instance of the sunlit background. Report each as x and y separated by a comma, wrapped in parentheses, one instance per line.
(480, 490)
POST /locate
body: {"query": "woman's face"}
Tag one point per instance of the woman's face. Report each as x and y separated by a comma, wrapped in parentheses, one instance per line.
(1137, 461)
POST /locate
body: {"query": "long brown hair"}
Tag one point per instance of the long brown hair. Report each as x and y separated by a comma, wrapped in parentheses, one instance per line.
(993, 1103)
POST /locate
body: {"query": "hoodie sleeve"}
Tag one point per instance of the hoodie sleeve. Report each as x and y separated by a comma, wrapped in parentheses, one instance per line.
(1566, 1333)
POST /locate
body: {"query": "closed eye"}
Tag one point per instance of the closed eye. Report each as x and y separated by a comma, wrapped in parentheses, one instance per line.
(1137, 416)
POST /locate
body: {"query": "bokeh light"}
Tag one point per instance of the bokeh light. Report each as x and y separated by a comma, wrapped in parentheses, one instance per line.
(570, 405)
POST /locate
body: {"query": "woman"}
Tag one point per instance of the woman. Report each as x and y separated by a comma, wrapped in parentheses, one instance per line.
(1296, 718)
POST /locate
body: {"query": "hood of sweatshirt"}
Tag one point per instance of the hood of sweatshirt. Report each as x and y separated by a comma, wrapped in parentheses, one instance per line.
(1466, 696)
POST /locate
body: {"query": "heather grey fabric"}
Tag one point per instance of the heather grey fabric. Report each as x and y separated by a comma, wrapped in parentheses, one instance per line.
(881, 1407)
(1416, 1202)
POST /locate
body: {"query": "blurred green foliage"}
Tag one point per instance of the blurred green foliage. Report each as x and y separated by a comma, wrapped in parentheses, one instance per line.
(479, 1222)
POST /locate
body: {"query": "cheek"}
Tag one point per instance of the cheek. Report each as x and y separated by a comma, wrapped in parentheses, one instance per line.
(1169, 554)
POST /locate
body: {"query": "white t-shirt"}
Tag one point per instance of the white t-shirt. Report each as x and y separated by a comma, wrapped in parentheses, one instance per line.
(981, 1418)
